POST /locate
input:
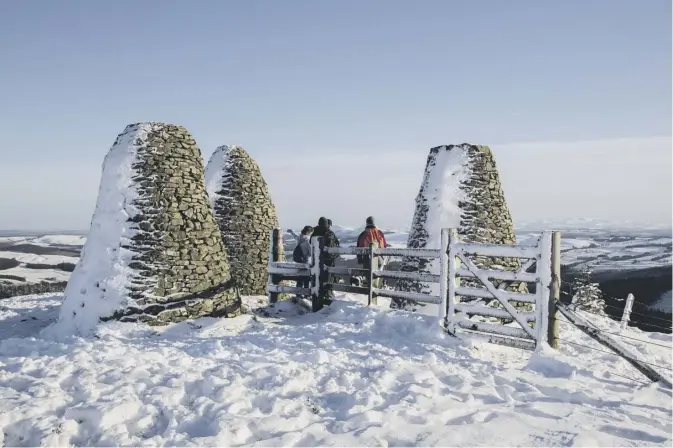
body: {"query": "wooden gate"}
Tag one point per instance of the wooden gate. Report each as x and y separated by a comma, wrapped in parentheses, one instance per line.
(461, 306)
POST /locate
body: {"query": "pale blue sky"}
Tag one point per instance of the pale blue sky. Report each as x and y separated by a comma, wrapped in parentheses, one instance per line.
(292, 78)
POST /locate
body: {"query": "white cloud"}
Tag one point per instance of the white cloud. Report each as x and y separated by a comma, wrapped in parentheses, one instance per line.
(617, 179)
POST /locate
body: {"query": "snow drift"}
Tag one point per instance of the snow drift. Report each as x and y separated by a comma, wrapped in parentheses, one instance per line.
(349, 375)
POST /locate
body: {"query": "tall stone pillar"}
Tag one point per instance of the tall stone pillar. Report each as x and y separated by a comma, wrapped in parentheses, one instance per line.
(154, 252)
(461, 189)
(245, 213)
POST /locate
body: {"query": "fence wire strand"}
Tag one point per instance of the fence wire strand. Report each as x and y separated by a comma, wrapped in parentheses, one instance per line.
(631, 379)
(598, 314)
(614, 354)
(618, 334)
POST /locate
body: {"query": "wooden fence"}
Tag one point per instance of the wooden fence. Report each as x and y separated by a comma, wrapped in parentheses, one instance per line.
(454, 313)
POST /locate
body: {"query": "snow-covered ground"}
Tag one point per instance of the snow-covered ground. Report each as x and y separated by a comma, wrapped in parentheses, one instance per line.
(46, 240)
(33, 275)
(36, 258)
(346, 376)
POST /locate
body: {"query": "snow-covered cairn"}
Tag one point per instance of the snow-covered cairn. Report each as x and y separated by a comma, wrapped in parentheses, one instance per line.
(245, 214)
(461, 190)
(154, 252)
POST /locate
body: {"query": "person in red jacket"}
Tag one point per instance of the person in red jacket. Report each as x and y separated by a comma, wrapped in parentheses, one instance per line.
(371, 234)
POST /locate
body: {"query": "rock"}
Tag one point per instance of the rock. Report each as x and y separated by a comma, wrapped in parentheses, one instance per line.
(245, 214)
(157, 170)
(480, 213)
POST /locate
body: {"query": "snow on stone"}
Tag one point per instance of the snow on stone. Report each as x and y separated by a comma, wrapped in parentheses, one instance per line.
(440, 194)
(349, 375)
(100, 279)
(215, 168)
(444, 194)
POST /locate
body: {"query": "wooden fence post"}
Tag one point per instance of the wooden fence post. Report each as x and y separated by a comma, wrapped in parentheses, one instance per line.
(315, 274)
(274, 256)
(555, 293)
(452, 268)
(323, 278)
(443, 273)
(626, 317)
(373, 266)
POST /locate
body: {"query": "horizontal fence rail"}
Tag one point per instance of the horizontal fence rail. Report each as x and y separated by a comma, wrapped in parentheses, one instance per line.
(527, 277)
(295, 272)
(497, 250)
(464, 291)
(413, 296)
(288, 289)
(289, 265)
(485, 311)
(401, 275)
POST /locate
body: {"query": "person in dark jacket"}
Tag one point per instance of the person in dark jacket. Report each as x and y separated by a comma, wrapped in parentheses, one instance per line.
(329, 226)
(302, 254)
(329, 239)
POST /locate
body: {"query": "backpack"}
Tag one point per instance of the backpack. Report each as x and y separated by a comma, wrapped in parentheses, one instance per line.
(298, 254)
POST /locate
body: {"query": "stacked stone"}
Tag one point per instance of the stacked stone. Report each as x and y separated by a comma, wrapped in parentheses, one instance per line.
(179, 267)
(245, 214)
(485, 217)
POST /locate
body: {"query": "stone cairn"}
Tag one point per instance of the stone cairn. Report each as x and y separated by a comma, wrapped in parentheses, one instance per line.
(173, 262)
(484, 218)
(244, 213)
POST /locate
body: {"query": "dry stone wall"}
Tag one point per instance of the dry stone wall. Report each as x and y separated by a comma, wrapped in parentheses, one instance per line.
(245, 213)
(154, 251)
(480, 213)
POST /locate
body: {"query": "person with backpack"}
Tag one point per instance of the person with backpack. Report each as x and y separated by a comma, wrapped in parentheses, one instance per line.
(329, 226)
(371, 234)
(302, 254)
(329, 239)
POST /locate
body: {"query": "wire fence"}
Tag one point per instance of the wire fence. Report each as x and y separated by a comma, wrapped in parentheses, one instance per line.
(647, 318)
(667, 346)
(586, 310)
(613, 353)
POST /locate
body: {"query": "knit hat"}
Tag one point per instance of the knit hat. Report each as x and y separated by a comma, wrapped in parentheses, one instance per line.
(370, 221)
